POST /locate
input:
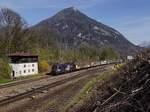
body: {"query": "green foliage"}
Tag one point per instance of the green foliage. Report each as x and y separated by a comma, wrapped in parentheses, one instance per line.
(2, 81)
(109, 53)
(5, 69)
(56, 55)
(88, 51)
(43, 66)
(85, 52)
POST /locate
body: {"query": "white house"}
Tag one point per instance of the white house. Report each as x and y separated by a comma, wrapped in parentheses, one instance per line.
(130, 57)
(23, 64)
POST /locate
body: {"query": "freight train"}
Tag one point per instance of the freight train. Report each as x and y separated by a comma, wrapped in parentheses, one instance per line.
(58, 69)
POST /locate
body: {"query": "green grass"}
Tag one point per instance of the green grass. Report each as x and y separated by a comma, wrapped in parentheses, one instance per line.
(30, 76)
(3, 81)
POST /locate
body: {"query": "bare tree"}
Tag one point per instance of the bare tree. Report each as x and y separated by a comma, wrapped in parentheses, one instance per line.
(13, 29)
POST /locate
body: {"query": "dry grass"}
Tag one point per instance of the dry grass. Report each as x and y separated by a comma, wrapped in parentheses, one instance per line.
(89, 86)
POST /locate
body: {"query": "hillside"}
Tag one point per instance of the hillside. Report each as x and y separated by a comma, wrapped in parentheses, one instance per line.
(127, 90)
(133, 87)
(75, 28)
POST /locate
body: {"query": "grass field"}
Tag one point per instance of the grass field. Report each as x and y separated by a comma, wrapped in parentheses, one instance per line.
(3, 81)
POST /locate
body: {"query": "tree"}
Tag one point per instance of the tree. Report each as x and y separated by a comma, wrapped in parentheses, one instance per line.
(109, 53)
(4, 69)
(14, 32)
(88, 51)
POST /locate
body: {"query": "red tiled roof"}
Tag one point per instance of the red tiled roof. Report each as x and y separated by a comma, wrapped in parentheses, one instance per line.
(22, 54)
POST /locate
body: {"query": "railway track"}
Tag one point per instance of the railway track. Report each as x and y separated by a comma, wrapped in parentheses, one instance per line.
(40, 78)
(22, 82)
(48, 86)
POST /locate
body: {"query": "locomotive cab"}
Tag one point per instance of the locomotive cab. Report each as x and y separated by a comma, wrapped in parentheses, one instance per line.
(63, 68)
(56, 69)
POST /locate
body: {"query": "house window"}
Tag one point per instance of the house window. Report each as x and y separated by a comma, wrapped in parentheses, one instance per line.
(24, 66)
(20, 72)
(32, 65)
(29, 70)
(24, 71)
(32, 70)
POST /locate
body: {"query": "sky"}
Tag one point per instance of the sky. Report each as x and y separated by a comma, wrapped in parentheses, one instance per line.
(130, 17)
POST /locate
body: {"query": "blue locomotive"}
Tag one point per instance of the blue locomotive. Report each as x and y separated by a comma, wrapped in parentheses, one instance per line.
(62, 68)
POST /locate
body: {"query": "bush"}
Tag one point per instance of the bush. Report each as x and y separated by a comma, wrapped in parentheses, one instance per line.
(5, 69)
(43, 66)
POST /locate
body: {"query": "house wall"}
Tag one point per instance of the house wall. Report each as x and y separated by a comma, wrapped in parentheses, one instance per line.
(130, 57)
(24, 69)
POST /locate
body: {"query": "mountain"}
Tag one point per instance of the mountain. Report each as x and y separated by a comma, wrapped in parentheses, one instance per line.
(145, 44)
(75, 28)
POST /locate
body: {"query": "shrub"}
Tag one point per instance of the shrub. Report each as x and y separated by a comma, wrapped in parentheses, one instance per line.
(43, 66)
(5, 69)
